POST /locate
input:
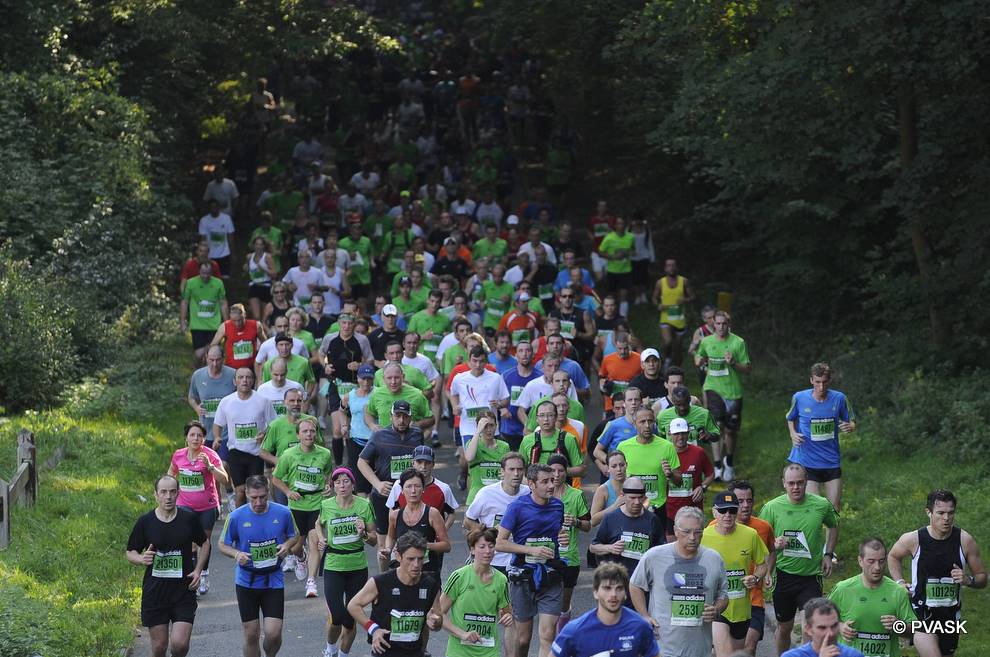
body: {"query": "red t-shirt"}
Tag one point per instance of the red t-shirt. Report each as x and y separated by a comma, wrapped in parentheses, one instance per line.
(695, 464)
(191, 269)
(600, 226)
(432, 496)
(240, 340)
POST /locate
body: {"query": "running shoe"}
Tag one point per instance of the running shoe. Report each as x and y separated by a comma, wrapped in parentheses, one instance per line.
(310, 588)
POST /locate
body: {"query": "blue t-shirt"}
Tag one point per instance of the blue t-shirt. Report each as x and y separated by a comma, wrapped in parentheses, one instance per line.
(514, 383)
(360, 433)
(534, 524)
(818, 422)
(586, 635)
(564, 277)
(588, 303)
(501, 366)
(208, 392)
(259, 535)
(807, 651)
(615, 432)
(573, 369)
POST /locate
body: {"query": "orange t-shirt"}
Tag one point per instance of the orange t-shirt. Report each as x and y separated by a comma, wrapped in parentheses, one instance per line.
(620, 371)
(765, 531)
(519, 325)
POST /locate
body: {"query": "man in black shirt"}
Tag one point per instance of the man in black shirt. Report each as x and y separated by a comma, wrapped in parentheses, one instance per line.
(388, 332)
(449, 263)
(649, 381)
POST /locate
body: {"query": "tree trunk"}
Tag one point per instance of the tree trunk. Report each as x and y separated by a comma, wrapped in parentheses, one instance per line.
(907, 106)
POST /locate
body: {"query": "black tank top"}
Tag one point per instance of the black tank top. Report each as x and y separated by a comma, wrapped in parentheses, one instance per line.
(930, 570)
(402, 609)
(425, 529)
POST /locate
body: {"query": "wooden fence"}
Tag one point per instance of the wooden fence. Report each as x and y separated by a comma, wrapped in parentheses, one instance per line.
(23, 488)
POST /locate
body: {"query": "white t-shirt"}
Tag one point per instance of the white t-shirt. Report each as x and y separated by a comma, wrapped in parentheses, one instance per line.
(446, 343)
(424, 365)
(267, 349)
(448, 496)
(333, 302)
(366, 185)
(304, 281)
(488, 213)
(244, 419)
(223, 192)
(276, 396)
(528, 248)
(468, 207)
(474, 393)
(536, 390)
(514, 275)
(343, 261)
(215, 230)
(489, 506)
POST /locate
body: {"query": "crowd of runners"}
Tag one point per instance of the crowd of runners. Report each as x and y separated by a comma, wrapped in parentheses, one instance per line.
(407, 298)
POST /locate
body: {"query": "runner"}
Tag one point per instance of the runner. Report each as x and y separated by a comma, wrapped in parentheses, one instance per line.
(382, 401)
(200, 473)
(162, 541)
(343, 354)
(744, 554)
(218, 229)
(246, 416)
(610, 628)
(577, 517)
(576, 325)
(301, 475)
(356, 431)
(258, 536)
(940, 553)
(547, 440)
(627, 530)
(276, 388)
(869, 603)
(475, 601)
(618, 369)
(297, 368)
(608, 496)
(240, 337)
(345, 525)
(674, 379)
(616, 247)
(620, 429)
(697, 473)
(386, 334)
(687, 587)
(511, 427)
(484, 453)
(534, 523)
(261, 267)
(400, 600)
(417, 516)
(726, 357)
(207, 387)
(821, 625)
(500, 356)
(815, 420)
(387, 455)
(202, 310)
(430, 324)
(436, 493)
(670, 295)
(701, 426)
(473, 391)
(521, 324)
(707, 328)
(797, 518)
(654, 461)
(649, 380)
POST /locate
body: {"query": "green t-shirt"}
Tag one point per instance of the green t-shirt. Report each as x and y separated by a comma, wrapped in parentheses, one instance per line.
(422, 322)
(394, 247)
(306, 473)
(283, 206)
(204, 303)
(863, 605)
(548, 444)
(486, 249)
(476, 608)
(360, 272)
(697, 418)
(377, 227)
(612, 243)
(486, 466)
(345, 551)
(450, 356)
(297, 369)
(575, 411)
(410, 307)
(574, 504)
(281, 434)
(308, 340)
(645, 462)
(414, 377)
(380, 404)
(740, 551)
(495, 305)
(802, 525)
(395, 284)
(722, 379)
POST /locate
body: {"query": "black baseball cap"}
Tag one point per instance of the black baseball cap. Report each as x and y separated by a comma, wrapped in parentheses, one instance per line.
(726, 500)
(401, 406)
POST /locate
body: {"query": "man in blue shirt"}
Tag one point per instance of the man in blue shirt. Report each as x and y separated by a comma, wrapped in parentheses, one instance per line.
(821, 623)
(510, 427)
(530, 531)
(610, 628)
(258, 536)
(618, 430)
(500, 357)
(555, 347)
(815, 420)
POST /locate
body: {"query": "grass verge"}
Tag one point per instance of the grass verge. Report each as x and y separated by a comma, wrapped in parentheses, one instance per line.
(884, 487)
(67, 589)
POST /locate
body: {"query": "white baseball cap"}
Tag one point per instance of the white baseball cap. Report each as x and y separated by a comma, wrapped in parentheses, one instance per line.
(678, 425)
(647, 353)
(390, 310)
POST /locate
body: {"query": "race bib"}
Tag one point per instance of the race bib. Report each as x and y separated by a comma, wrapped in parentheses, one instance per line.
(545, 291)
(601, 230)
(210, 407)
(735, 583)
(540, 541)
(619, 386)
(822, 429)
(652, 485)
(258, 274)
(219, 238)
(278, 407)
(406, 626)
(190, 481)
(484, 625)
(635, 545)
(264, 554)
(942, 592)
(398, 465)
(242, 349)
(567, 329)
(717, 366)
(797, 545)
(246, 434)
(343, 531)
(675, 312)
(167, 565)
(686, 610)
(873, 644)
(491, 472)
(206, 309)
(683, 489)
(514, 393)
(495, 307)
(474, 412)
(308, 479)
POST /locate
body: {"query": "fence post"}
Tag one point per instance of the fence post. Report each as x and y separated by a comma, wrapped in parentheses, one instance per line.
(4, 515)
(27, 452)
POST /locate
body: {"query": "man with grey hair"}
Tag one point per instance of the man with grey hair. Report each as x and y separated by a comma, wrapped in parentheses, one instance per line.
(687, 586)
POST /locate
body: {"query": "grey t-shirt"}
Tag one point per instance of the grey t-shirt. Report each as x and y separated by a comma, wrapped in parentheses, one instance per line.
(679, 588)
(208, 392)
